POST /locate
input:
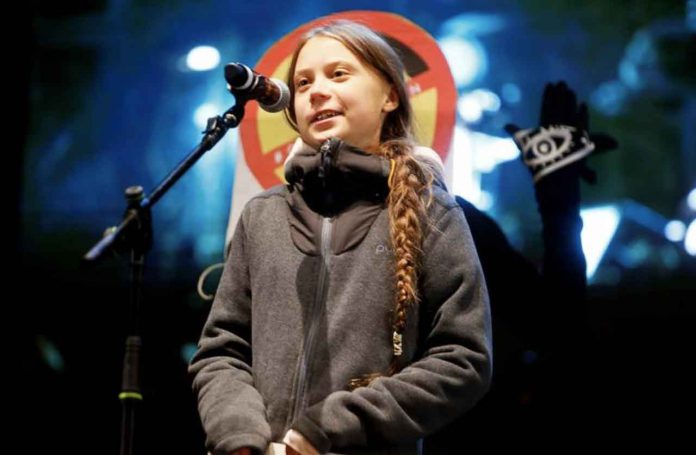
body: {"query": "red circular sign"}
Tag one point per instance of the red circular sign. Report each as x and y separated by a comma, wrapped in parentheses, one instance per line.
(266, 138)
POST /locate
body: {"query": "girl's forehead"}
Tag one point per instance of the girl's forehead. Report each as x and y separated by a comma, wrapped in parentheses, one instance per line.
(323, 49)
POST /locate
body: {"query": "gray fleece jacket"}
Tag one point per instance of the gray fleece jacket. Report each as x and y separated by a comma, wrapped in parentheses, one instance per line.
(305, 304)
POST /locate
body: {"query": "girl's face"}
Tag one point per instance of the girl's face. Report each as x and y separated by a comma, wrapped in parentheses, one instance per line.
(336, 95)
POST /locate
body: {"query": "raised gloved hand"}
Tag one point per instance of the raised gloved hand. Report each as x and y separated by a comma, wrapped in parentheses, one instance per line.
(562, 138)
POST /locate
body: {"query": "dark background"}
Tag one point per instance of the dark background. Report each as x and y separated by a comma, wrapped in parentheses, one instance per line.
(102, 103)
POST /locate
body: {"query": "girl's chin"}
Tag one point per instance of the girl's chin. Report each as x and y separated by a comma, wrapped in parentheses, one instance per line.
(319, 139)
(312, 142)
(322, 135)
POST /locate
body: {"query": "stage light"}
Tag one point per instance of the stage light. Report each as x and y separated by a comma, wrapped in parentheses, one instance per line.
(675, 230)
(599, 227)
(511, 93)
(691, 199)
(466, 58)
(203, 113)
(690, 238)
(203, 58)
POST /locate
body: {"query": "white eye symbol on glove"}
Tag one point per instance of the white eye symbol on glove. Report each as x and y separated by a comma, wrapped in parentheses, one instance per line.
(546, 149)
(544, 144)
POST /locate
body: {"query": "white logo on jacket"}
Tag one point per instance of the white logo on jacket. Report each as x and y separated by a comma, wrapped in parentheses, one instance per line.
(381, 249)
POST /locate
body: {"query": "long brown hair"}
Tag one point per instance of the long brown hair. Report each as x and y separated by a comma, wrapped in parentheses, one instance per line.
(410, 182)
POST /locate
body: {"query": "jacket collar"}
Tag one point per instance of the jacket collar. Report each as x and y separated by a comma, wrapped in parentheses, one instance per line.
(343, 183)
(339, 182)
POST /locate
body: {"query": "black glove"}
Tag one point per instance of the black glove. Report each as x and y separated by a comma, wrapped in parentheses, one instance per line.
(562, 138)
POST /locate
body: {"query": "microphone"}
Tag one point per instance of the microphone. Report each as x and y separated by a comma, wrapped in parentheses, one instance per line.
(273, 95)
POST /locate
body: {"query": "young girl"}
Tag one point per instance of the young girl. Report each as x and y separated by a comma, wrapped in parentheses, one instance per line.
(352, 315)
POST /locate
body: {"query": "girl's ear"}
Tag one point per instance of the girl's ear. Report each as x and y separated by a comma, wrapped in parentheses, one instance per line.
(392, 101)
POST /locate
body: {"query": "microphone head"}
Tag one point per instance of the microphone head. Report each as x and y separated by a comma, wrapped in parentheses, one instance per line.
(238, 76)
(283, 98)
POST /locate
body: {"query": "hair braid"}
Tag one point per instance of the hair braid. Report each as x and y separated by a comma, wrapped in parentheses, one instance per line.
(407, 212)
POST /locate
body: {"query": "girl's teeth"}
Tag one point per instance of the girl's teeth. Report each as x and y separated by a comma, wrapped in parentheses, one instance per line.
(325, 116)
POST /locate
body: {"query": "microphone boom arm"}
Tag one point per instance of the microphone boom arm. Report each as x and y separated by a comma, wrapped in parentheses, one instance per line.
(134, 235)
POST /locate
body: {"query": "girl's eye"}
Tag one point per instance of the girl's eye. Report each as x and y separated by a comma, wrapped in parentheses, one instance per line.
(339, 73)
(301, 83)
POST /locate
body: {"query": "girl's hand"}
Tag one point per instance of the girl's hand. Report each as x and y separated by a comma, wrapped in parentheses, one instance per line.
(297, 444)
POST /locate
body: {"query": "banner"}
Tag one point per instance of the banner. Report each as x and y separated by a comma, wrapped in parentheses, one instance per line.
(265, 138)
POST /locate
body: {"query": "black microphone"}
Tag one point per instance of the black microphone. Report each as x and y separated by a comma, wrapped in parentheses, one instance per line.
(273, 95)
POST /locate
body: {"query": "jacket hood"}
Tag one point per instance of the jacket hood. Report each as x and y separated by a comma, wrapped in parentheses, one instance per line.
(339, 182)
(342, 183)
(304, 159)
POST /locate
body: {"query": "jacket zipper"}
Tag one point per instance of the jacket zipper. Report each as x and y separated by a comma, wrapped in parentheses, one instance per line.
(326, 231)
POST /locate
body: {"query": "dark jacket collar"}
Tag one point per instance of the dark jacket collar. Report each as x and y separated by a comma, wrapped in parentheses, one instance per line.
(339, 182)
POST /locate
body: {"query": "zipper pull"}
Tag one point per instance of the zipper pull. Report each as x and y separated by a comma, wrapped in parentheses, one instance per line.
(328, 151)
(396, 342)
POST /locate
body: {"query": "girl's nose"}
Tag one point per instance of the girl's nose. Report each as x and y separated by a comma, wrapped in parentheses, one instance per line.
(319, 91)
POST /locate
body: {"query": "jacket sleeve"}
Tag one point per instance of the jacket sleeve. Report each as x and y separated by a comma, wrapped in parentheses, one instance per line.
(450, 375)
(231, 409)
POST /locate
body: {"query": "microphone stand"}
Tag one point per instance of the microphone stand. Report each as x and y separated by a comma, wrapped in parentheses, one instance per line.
(134, 236)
